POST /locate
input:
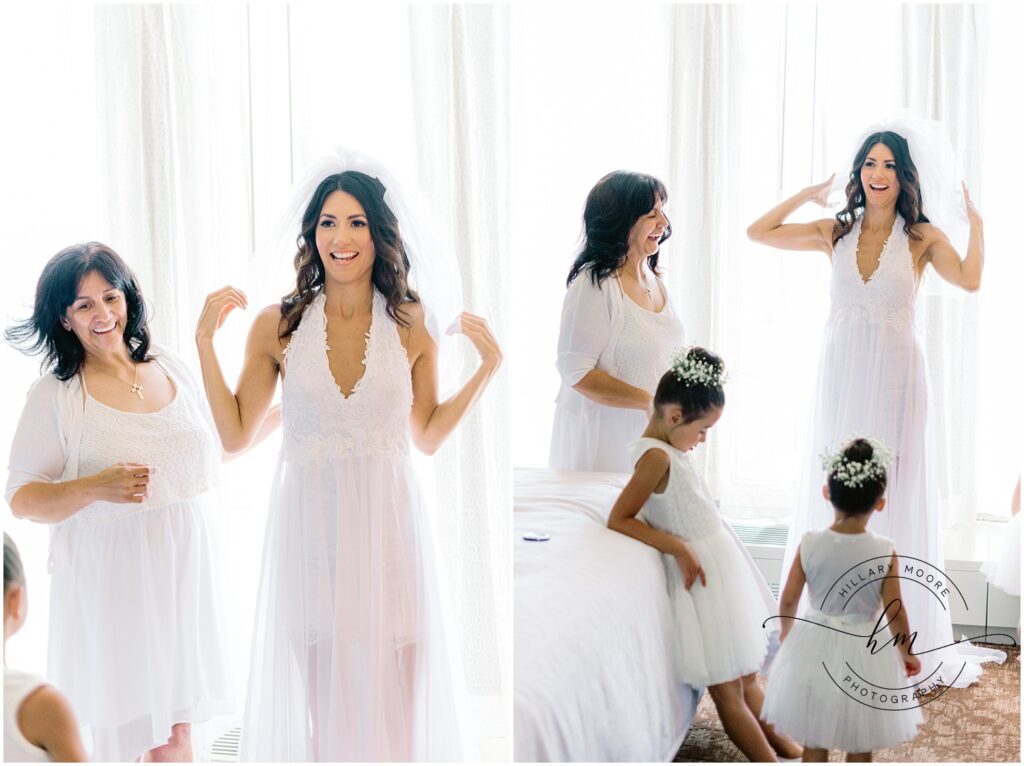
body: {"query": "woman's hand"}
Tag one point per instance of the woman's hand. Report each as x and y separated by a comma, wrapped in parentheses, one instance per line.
(972, 212)
(122, 483)
(475, 328)
(216, 309)
(689, 566)
(819, 192)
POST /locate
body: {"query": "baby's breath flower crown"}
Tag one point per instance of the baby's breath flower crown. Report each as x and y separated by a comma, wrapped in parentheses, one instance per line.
(853, 473)
(692, 371)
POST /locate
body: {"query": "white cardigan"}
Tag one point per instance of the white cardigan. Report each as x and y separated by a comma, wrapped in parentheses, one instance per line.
(587, 436)
(49, 433)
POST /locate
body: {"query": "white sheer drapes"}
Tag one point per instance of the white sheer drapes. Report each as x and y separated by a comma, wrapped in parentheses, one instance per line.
(737, 107)
(190, 124)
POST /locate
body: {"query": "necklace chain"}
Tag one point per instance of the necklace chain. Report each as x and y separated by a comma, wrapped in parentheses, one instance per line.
(134, 386)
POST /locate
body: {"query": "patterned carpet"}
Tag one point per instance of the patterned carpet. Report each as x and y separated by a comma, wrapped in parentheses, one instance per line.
(978, 724)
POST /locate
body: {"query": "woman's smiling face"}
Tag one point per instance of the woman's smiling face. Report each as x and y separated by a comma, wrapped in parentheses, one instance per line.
(878, 176)
(645, 235)
(343, 239)
(98, 315)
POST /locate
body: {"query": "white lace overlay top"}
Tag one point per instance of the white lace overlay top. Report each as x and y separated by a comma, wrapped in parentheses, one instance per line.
(888, 296)
(176, 440)
(686, 508)
(318, 421)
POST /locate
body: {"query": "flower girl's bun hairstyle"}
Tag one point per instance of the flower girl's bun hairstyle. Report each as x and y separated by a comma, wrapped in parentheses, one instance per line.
(857, 476)
(694, 382)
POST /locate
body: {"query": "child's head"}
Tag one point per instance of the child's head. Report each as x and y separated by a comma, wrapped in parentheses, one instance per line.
(689, 398)
(15, 602)
(857, 477)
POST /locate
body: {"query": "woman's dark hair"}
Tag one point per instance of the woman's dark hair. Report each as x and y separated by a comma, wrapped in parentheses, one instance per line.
(390, 267)
(909, 204)
(14, 571)
(58, 288)
(695, 399)
(863, 497)
(615, 203)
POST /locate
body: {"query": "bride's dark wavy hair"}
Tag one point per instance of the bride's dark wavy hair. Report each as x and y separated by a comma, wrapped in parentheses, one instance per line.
(57, 288)
(390, 273)
(615, 203)
(909, 204)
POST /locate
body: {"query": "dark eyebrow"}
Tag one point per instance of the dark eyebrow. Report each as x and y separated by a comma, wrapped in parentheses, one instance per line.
(328, 215)
(356, 215)
(86, 297)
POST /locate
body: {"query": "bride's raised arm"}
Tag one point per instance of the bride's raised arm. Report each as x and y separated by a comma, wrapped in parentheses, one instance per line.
(965, 273)
(431, 421)
(771, 228)
(239, 415)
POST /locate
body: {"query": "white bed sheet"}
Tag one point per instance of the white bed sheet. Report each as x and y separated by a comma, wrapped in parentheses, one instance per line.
(594, 675)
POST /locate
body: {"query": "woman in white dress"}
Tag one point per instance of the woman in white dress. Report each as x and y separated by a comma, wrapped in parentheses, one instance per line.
(114, 452)
(872, 377)
(352, 659)
(619, 330)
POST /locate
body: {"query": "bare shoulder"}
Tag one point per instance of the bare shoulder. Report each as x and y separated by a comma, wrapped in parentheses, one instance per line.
(654, 462)
(266, 329)
(44, 700)
(48, 721)
(826, 228)
(414, 333)
(43, 710)
(413, 312)
(928, 233)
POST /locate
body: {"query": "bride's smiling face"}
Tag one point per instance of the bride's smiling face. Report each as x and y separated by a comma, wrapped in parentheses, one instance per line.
(343, 239)
(878, 176)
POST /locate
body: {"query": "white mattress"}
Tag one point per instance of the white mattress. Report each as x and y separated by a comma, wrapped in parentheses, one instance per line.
(594, 676)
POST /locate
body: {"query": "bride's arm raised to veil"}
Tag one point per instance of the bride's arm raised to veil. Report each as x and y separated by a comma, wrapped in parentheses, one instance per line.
(239, 415)
(965, 273)
(771, 228)
(431, 421)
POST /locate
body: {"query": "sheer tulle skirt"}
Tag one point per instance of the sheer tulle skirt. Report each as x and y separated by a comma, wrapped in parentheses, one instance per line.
(352, 658)
(719, 633)
(817, 694)
(872, 381)
(137, 633)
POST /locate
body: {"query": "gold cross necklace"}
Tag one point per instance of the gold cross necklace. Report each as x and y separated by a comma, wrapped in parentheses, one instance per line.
(135, 387)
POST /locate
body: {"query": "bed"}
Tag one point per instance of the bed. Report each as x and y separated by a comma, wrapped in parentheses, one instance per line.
(594, 676)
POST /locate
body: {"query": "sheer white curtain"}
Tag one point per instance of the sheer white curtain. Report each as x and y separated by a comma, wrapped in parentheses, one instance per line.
(737, 107)
(47, 201)
(190, 124)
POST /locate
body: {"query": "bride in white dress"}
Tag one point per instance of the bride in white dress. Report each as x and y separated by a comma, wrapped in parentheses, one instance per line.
(351, 658)
(872, 378)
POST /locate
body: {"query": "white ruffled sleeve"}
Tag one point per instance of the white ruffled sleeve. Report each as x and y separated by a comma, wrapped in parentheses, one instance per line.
(586, 328)
(40, 448)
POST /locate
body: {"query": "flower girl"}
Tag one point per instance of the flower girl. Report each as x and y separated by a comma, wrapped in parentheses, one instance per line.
(39, 724)
(836, 682)
(719, 599)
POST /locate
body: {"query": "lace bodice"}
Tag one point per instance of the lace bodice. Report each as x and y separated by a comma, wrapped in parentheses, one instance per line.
(644, 349)
(176, 439)
(685, 508)
(318, 421)
(888, 295)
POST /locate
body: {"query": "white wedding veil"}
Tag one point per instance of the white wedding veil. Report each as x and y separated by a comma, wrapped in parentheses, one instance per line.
(930, 148)
(433, 268)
